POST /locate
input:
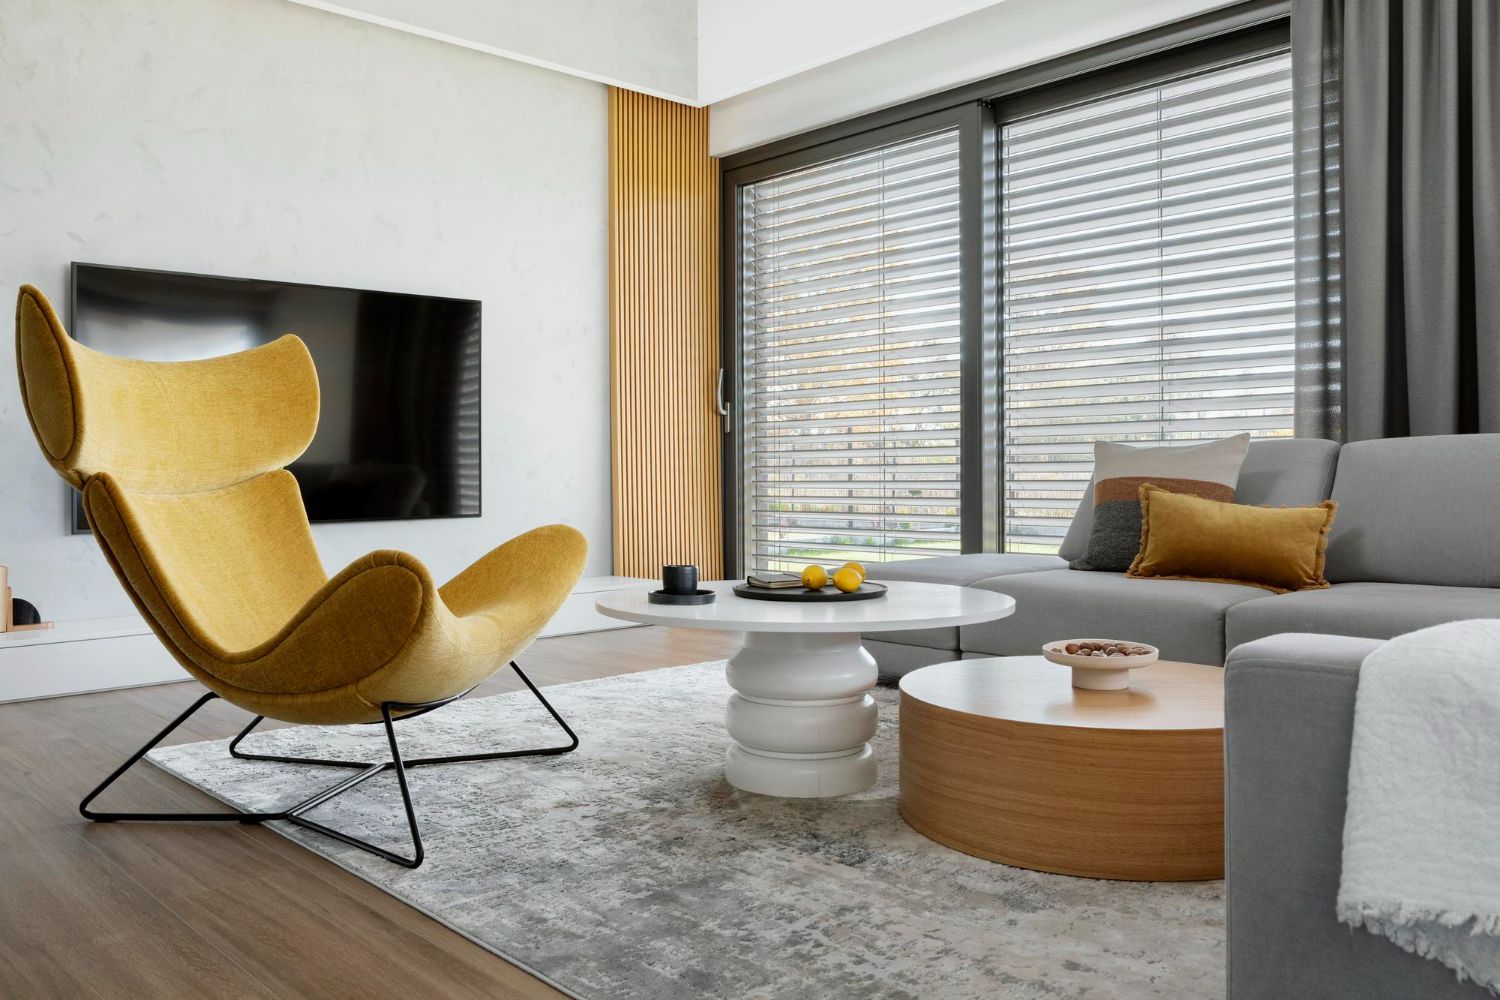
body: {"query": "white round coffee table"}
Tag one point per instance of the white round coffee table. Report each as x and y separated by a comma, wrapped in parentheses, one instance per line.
(801, 717)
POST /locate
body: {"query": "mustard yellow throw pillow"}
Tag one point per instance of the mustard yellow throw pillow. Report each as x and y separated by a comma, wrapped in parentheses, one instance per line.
(1190, 538)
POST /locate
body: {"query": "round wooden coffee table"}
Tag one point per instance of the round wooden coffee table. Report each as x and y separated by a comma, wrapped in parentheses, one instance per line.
(1004, 759)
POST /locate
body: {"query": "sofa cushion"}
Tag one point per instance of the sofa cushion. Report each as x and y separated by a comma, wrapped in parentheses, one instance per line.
(1371, 610)
(1208, 469)
(959, 571)
(1189, 538)
(1418, 510)
(1278, 472)
(1182, 618)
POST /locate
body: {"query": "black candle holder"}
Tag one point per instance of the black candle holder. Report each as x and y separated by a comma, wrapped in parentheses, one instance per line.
(679, 585)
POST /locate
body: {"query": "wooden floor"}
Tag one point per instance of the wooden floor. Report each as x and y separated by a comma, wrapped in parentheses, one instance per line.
(159, 911)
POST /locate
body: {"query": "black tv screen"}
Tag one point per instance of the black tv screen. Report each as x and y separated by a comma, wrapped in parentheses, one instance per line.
(398, 431)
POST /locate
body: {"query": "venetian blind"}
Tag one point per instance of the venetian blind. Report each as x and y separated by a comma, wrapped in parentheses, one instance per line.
(850, 388)
(1147, 283)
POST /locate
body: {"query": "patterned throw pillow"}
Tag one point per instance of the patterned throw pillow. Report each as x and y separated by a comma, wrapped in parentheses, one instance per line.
(1210, 470)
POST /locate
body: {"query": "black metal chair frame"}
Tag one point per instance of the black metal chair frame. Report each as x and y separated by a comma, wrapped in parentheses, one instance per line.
(391, 712)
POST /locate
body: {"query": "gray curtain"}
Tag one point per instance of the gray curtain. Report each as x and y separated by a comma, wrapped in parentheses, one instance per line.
(1398, 203)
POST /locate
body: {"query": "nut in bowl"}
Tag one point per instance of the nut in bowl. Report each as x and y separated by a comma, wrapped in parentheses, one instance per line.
(1101, 664)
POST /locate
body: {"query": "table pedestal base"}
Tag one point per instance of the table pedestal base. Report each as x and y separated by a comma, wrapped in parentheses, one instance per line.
(801, 716)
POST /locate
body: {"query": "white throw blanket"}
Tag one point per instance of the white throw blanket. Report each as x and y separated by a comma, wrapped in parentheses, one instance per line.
(1422, 831)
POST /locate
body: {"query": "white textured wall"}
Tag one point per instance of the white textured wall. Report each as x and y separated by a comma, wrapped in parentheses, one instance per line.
(259, 138)
(986, 42)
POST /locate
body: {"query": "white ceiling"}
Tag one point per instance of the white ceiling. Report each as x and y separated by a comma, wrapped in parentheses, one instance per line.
(774, 67)
(692, 51)
(650, 46)
(991, 40)
(745, 44)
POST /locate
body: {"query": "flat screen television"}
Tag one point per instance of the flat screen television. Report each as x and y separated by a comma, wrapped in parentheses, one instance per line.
(398, 431)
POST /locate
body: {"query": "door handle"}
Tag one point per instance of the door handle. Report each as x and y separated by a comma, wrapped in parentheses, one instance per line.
(720, 403)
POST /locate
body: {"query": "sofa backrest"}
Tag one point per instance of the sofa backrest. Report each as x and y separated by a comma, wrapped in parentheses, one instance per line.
(1278, 472)
(1418, 510)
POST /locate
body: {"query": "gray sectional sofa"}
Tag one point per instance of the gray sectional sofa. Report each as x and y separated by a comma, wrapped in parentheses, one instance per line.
(1416, 542)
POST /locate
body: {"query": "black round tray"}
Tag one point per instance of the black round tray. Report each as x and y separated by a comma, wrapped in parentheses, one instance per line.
(696, 597)
(866, 592)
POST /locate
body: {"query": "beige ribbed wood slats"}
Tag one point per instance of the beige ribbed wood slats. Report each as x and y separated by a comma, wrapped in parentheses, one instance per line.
(664, 339)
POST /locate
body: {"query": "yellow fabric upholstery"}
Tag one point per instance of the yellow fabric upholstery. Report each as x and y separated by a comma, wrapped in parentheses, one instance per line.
(1185, 537)
(162, 428)
(180, 465)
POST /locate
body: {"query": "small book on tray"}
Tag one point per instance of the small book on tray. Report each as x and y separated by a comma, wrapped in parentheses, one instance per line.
(773, 581)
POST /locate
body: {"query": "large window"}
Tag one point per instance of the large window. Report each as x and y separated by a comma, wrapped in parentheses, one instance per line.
(933, 319)
(1146, 248)
(850, 357)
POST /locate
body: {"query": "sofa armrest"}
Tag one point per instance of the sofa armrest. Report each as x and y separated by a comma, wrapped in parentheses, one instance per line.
(1289, 719)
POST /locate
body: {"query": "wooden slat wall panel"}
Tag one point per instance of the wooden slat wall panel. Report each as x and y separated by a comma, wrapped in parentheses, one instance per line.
(664, 340)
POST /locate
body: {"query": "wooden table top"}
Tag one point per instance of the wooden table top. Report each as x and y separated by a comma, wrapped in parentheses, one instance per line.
(1167, 696)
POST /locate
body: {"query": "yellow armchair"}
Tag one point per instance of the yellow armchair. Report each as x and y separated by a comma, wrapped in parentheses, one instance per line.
(181, 467)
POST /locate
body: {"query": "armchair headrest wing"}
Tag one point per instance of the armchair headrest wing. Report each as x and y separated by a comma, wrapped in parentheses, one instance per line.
(162, 427)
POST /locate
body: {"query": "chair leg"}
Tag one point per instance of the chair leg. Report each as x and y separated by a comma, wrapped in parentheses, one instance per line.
(410, 710)
(110, 817)
(394, 764)
(568, 747)
(391, 713)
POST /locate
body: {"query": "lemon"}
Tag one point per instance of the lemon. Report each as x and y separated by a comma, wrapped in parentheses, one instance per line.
(858, 569)
(847, 579)
(814, 577)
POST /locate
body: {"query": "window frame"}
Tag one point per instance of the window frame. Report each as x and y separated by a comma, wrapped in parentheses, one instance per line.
(977, 344)
(978, 111)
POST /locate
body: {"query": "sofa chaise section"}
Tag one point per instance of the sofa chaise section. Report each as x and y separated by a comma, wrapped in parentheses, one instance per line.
(1289, 720)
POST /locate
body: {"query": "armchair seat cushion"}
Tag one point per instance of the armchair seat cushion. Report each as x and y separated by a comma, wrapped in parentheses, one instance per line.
(1370, 610)
(379, 631)
(1182, 618)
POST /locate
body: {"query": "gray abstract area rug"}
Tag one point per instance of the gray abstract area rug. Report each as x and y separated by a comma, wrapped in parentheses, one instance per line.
(631, 869)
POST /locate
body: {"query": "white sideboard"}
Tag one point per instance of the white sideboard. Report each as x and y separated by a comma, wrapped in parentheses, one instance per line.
(577, 613)
(99, 654)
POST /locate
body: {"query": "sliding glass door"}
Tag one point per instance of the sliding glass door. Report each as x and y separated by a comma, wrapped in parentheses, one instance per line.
(849, 353)
(931, 322)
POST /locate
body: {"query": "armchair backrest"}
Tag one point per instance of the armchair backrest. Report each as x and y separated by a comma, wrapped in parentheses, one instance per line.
(162, 427)
(181, 469)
